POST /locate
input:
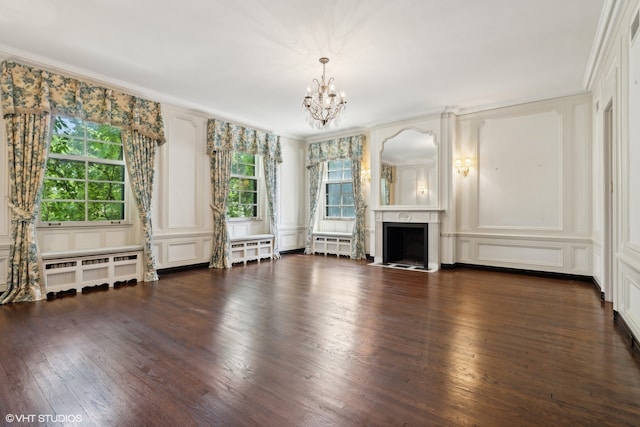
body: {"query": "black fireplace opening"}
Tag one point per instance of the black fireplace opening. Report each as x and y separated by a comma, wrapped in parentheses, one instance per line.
(405, 244)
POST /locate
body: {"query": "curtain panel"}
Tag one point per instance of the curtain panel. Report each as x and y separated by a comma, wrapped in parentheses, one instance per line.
(387, 173)
(29, 95)
(29, 90)
(350, 147)
(28, 144)
(315, 180)
(223, 139)
(140, 156)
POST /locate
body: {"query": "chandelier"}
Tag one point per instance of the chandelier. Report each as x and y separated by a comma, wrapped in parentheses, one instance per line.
(322, 102)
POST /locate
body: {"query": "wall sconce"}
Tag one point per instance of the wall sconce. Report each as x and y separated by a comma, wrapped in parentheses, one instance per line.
(463, 170)
(422, 189)
(365, 175)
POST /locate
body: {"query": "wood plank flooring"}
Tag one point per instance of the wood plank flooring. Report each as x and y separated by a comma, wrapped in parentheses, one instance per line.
(320, 341)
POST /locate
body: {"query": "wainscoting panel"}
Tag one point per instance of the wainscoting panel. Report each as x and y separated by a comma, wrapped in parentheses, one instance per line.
(185, 153)
(78, 238)
(513, 253)
(629, 307)
(520, 171)
(4, 266)
(179, 252)
(568, 256)
(292, 238)
(182, 249)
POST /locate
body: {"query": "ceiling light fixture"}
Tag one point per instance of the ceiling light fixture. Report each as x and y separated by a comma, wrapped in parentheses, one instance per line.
(322, 103)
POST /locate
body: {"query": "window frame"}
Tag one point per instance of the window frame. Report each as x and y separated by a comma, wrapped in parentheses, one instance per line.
(86, 159)
(327, 181)
(257, 177)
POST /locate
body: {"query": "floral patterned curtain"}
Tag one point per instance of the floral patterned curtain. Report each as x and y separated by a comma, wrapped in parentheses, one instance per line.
(140, 155)
(30, 95)
(226, 137)
(220, 171)
(357, 242)
(387, 173)
(28, 143)
(315, 179)
(350, 147)
(271, 178)
(27, 89)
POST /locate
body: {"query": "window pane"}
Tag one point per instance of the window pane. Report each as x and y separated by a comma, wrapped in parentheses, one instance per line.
(234, 197)
(65, 145)
(333, 188)
(68, 126)
(347, 199)
(106, 172)
(63, 189)
(105, 191)
(347, 188)
(348, 212)
(59, 168)
(248, 198)
(333, 199)
(347, 172)
(106, 211)
(248, 184)
(333, 211)
(102, 150)
(62, 211)
(249, 211)
(335, 175)
(103, 132)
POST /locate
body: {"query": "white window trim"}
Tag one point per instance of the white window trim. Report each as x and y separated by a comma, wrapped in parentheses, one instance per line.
(128, 195)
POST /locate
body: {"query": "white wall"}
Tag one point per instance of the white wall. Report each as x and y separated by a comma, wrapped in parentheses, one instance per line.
(616, 84)
(293, 196)
(526, 202)
(182, 219)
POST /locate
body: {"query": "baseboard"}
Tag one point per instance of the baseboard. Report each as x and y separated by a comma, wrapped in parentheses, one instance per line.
(182, 268)
(548, 274)
(627, 332)
(292, 251)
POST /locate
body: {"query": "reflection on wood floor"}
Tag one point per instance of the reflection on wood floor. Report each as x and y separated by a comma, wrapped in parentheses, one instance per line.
(312, 340)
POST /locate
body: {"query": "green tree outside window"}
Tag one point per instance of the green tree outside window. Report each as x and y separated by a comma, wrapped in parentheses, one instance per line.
(243, 187)
(85, 173)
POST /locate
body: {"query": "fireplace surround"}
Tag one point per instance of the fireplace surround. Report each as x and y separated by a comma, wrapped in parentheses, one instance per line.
(405, 244)
(409, 218)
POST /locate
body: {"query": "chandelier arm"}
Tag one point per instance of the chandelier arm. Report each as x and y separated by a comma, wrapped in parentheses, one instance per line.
(324, 103)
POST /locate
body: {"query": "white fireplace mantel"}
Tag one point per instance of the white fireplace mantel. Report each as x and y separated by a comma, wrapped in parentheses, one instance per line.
(410, 214)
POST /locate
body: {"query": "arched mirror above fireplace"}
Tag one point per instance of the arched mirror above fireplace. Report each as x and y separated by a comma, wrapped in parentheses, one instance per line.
(409, 170)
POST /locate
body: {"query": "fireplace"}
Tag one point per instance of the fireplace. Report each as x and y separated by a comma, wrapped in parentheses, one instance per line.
(425, 222)
(406, 244)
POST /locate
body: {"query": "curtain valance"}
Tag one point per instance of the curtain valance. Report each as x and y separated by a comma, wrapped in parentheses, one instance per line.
(225, 136)
(349, 147)
(30, 90)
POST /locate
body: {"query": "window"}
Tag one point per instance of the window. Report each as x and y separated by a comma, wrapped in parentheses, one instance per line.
(85, 173)
(339, 190)
(243, 187)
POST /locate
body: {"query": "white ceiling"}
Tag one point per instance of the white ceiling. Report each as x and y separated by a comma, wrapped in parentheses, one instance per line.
(250, 61)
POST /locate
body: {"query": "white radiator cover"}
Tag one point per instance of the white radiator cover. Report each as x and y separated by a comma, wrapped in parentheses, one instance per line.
(79, 269)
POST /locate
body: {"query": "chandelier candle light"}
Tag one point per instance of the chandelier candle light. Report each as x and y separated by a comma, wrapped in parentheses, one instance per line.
(323, 103)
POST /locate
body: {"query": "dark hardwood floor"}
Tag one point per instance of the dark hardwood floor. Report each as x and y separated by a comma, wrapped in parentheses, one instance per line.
(311, 341)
